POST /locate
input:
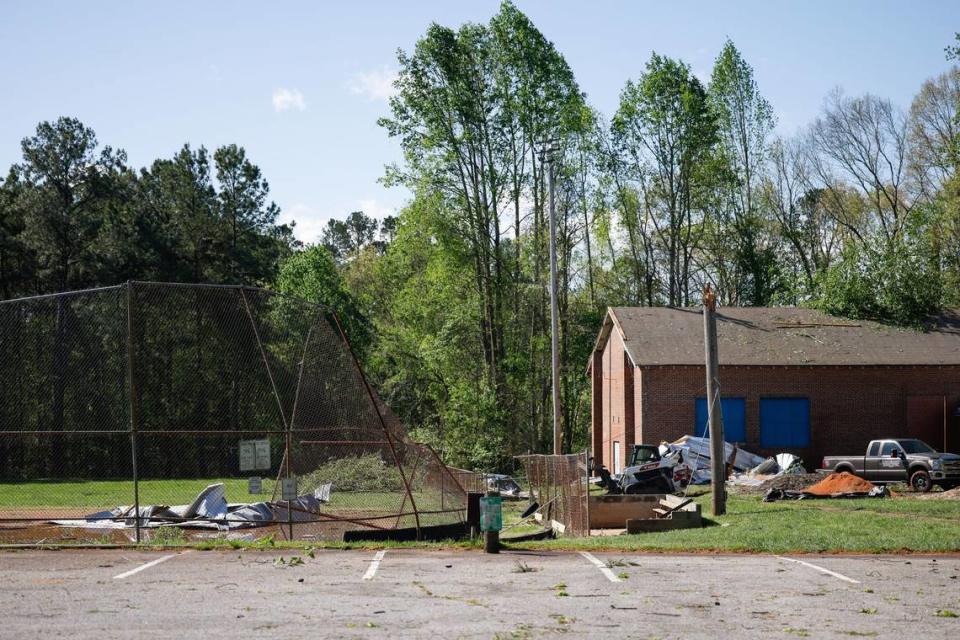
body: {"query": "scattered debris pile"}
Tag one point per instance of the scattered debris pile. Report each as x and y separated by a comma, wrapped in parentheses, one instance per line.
(782, 465)
(696, 453)
(789, 481)
(835, 485)
(209, 510)
(506, 485)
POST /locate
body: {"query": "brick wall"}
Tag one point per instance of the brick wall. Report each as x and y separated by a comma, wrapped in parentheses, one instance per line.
(613, 414)
(848, 405)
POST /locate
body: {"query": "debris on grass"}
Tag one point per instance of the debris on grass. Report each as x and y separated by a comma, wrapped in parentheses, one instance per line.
(789, 482)
(835, 485)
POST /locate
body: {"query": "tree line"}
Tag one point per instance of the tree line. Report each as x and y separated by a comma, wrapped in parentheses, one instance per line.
(686, 183)
(74, 215)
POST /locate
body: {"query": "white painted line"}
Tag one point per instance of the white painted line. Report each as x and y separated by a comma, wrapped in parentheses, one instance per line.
(374, 565)
(152, 563)
(822, 570)
(604, 569)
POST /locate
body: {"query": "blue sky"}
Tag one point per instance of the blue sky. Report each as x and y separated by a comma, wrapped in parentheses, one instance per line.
(301, 84)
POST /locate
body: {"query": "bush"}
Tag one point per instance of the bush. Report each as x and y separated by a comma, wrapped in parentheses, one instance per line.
(356, 473)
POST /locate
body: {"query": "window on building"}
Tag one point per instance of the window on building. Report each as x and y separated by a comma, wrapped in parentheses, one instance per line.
(734, 419)
(784, 422)
(617, 463)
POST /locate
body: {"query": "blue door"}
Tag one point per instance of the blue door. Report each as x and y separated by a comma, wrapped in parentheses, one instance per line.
(784, 423)
(734, 419)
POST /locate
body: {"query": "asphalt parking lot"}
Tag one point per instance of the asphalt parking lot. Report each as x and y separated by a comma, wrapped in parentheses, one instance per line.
(458, 594)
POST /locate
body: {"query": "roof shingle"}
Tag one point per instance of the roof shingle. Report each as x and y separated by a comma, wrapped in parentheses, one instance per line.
(779, 336)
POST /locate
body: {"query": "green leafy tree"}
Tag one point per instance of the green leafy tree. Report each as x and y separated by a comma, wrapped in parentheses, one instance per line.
(891, 281)
(744, 122)
(250, 237)
(67, 183)
(346, 238)
(312, 275)
(179, 201)
(15, 261)
(665, 131)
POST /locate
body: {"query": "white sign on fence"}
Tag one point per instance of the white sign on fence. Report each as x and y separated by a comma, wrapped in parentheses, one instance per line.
(254, 454)
(255, 485)
(289, 488)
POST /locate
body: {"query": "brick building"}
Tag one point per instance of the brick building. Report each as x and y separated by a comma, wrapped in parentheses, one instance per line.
(791, 379)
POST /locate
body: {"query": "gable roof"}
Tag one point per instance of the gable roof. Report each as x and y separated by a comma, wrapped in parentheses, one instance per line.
(778, 336)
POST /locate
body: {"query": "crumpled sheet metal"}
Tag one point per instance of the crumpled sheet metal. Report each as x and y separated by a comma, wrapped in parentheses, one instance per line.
(773, 495)
(780, 464)
(209, 510)
(696, 453)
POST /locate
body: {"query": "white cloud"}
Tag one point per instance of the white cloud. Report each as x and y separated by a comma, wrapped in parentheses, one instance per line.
(309, 225)
(374, 85)
(375, 209)
(286, 99)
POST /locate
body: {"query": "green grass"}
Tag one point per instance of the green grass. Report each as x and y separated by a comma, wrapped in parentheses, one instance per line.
(863, 526)
(97, 495)
(107, 494)
(815, 526)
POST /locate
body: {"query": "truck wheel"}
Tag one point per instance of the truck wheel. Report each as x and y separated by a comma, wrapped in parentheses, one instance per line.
(920, 481)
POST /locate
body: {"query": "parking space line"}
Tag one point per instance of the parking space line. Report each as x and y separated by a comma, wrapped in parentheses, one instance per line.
(821, 570)
(604, 569)
(374, 565)
(147, 565)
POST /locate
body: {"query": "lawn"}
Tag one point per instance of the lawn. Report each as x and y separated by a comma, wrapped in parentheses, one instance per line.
(98, 495)
(815, 526)
(750, 525)
(107, 494)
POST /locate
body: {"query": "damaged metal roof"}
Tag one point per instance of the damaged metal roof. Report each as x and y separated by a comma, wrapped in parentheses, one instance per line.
(779, 336)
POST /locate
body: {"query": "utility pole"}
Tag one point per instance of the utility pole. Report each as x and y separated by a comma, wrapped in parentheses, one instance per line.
(549, 149)
(718, 457)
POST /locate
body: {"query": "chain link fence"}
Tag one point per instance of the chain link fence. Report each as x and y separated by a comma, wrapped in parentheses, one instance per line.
(152, 411)
(560, 483)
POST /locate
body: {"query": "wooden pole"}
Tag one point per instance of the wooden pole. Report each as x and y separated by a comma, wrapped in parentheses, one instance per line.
(554, 321)
(718, 476)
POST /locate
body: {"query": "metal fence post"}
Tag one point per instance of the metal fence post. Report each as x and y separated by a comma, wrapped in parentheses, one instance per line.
(134, 409)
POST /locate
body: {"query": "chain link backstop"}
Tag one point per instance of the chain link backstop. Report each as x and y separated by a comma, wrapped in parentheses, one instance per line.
(120, 406)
